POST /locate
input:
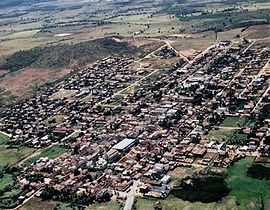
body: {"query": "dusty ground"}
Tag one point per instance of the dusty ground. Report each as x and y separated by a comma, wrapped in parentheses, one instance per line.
(158, 63)
(63, 94)
(3, 72)
(22, 83)
(187, 45)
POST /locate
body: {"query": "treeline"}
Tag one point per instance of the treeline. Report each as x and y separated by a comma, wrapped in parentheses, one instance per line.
(259, 171)
(63, 55)
(202, 189)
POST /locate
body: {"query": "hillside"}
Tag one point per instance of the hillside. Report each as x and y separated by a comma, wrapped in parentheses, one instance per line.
(62, 55)
(12, 3)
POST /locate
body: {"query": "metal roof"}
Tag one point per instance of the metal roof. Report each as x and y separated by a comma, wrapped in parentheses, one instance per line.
(123, 144)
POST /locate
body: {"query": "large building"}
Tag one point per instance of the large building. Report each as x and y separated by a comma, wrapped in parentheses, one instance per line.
(124, 145)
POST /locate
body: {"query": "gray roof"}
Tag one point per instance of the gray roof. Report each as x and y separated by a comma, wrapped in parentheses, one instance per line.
(124, 144)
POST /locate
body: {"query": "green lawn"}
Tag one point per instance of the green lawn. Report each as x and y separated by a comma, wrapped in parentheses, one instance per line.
(233, 121)
(52, 153)
(221, 134)
(3, 138)
(10, 194)
(249, 192)
(238, 138)
(12, 156)
(232, 136)
(173, 203)
(6, 181)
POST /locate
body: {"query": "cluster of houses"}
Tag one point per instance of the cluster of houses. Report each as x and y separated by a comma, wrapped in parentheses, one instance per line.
(159, 124)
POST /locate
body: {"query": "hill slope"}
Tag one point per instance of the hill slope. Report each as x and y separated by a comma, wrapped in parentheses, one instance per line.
(63, 55)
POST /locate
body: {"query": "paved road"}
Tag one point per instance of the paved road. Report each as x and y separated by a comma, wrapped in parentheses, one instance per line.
(131, 196)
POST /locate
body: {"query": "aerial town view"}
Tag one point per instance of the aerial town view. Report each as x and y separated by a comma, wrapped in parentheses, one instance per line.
(135, 104)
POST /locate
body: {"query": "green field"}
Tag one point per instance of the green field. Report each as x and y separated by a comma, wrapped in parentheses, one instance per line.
(6, 180)
(234, 121)
(12, 156)
(173, 203)
(10, 194)
(3, 138)
(105, 206)
(250, 193)
(52, 153)
(221, 134)
(232, 136)
(246, 194)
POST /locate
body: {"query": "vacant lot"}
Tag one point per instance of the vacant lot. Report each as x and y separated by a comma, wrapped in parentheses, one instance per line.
(173, 203)
(35, 203)
(105, 206)
(221, 134)
(22, 83)
(3, 138)
(193, 43)
(234, 122)
(14, 155)
(55, 120)
(246, 193)
(181, 172)
(52, 153)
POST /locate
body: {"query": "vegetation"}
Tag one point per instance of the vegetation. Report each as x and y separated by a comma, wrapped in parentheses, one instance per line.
(173, 203)
(205, 189)
(66, 206)
(219, 16)
(250, 193)
(10, 3)
(52, 153)
(63, 55)
(36, 204)
(234, 122)
(6, 181)
(3, 138)
(259, 171)
(12, 156)
(9, 191)
(105, 206)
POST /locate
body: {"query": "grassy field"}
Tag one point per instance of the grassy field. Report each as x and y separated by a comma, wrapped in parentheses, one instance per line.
(3, 138)
(246, 194)
(250, 193)
(233, 121)
(181, 172)
(221, 134)
(6, 180)
(173, 203)
(105, 206)
(233, 136)
(52, 153)
(10, 194)
(12, 156)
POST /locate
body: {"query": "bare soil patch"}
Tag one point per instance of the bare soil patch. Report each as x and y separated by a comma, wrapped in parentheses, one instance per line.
(20, 84)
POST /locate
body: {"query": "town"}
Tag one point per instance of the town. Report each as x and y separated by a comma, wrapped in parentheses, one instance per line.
(126, 127)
